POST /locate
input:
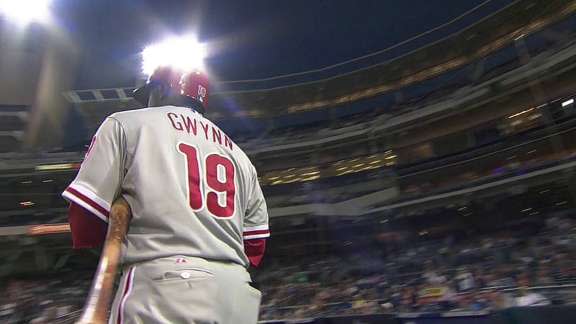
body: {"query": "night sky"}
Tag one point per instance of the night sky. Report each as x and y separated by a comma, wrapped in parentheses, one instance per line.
(254, 39)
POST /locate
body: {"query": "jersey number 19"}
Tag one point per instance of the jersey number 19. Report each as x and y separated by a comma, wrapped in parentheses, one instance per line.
(213, 184)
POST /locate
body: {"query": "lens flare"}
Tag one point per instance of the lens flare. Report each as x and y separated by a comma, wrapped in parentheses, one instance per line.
(184, 53)
(25, 11)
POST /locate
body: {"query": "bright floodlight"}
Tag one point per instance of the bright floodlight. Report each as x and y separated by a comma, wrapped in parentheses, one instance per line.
(567, 102)
(184, 53)
(25, 11)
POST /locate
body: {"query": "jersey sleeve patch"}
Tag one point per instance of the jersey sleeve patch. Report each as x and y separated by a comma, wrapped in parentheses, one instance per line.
(87, 199)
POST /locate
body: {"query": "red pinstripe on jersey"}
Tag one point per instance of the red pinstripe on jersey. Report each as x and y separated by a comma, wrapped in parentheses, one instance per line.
(260, 232)
(127, 290)
(256, 232)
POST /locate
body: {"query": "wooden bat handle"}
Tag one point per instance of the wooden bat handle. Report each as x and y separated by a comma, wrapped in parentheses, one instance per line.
(98, 302)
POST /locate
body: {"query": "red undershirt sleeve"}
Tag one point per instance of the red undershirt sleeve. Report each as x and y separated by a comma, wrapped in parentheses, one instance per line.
(254, 249)
(88, 230)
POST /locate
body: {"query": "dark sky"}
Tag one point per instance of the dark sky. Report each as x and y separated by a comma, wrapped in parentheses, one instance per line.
(254, 39)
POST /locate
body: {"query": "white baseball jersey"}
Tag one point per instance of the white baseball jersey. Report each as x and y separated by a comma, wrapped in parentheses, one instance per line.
(191, 189)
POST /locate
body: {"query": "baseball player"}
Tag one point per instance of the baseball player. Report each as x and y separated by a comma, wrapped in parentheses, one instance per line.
(199, 218)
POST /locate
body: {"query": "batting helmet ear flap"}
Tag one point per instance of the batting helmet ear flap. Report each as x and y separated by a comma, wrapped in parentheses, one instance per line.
(195, 85)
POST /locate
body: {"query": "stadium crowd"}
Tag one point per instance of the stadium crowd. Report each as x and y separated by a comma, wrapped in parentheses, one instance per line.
(480, 273)
(43, 300)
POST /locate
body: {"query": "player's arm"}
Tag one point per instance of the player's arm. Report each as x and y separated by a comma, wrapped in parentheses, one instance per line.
(256, 229)
(96, 186)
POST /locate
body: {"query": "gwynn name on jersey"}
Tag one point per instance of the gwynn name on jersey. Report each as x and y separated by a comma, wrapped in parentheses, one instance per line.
(189, 125)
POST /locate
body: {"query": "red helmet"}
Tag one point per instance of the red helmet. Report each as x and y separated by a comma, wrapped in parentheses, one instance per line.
(195, 85)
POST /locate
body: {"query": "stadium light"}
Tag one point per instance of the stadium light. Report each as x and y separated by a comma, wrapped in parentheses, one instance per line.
(184, 53)
(26, 11)
(567, 102)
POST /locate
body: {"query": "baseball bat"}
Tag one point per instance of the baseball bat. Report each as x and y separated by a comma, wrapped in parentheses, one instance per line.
(98, 302)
